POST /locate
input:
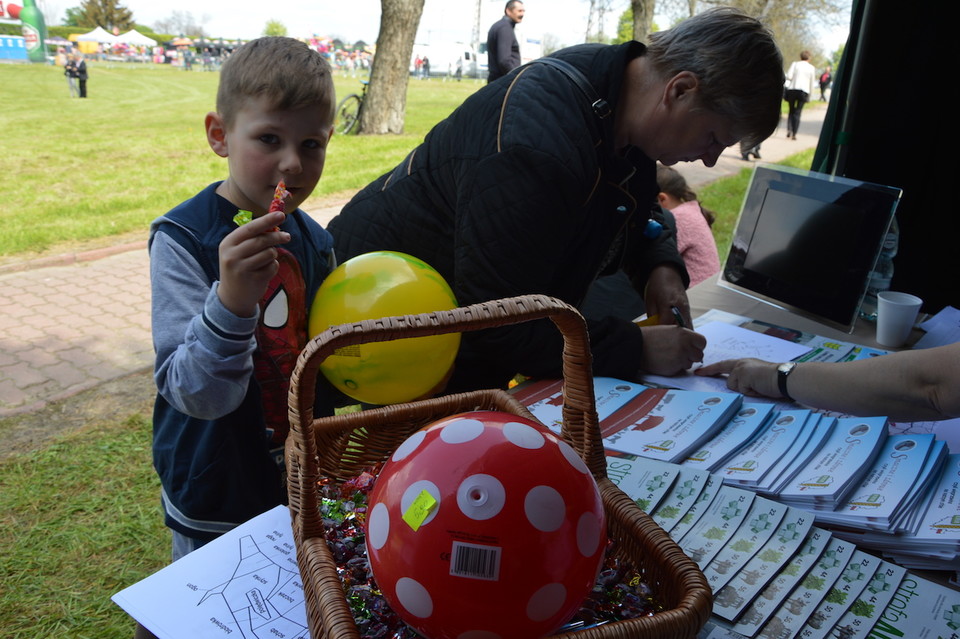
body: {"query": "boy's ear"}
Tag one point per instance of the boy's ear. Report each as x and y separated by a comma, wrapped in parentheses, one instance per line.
(216, 133)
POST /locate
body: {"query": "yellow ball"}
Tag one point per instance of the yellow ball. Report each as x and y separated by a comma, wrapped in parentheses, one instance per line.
(381, 284)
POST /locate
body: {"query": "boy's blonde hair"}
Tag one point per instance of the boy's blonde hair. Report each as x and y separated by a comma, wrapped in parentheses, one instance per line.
(286, 71)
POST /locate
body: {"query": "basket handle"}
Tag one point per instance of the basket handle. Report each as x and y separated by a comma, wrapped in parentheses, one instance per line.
(579, 404)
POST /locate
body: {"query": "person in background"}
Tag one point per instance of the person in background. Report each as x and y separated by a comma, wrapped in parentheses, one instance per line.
(694, 238)
(905, 386)
(825, 78)
(535, 185)
(503, 50)
(801, 77)
(70, 70)
(80, 73)
(747, 151)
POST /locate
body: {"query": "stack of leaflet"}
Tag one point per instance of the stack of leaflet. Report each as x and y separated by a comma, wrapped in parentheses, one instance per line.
(902, 473)
(646, 481)
(752, 418)
(818, 562)
(932, 537)
(678, 502)
(668, 424)
(882, 603)
(816, 431)
(898, 494)
(544, 398)
(839, 466)
(774, 574)
(771, 534)
(751, 464)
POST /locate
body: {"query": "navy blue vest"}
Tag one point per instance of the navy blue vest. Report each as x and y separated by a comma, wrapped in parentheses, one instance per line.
(219, 473)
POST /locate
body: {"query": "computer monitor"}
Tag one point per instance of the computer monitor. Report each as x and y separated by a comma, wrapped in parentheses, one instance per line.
(806, 241)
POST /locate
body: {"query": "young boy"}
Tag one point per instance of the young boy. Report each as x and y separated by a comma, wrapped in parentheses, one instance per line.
(231, 299)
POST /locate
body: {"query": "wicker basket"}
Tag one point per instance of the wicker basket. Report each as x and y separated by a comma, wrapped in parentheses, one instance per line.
(342, 446)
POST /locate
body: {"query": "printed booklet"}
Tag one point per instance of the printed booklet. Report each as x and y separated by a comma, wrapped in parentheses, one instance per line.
(751, 419)
(840, 464)
(544, 398)
(668, 424)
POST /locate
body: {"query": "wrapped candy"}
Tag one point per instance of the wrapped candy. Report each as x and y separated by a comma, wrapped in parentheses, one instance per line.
(276, 204)
(279, 195)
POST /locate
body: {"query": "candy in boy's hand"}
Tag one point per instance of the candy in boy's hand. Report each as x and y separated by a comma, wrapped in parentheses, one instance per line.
(242, 217)
(281, 193)
(278, 197)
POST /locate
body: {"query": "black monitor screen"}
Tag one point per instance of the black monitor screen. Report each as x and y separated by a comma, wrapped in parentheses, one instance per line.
(808, 241)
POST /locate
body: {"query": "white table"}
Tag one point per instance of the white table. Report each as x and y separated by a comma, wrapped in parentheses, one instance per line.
(708, 294)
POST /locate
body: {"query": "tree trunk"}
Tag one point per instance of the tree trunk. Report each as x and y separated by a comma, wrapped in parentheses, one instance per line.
(642, 18)
(593, 8)
(385, 106)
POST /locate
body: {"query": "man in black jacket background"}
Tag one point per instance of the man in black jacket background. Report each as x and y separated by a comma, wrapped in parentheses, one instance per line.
(533, 185)
(503, 50)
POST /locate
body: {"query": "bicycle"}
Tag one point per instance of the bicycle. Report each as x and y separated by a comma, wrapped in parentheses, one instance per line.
(347, 117)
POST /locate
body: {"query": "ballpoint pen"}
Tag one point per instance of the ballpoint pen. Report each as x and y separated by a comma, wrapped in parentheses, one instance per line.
(678, 316)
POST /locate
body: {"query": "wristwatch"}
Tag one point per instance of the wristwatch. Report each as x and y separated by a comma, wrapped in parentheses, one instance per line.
(783, 371)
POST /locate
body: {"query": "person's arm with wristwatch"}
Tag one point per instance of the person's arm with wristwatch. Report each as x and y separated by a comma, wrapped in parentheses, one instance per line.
(904, 386)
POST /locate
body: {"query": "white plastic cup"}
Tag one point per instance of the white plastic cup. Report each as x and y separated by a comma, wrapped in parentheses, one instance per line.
(896, 315)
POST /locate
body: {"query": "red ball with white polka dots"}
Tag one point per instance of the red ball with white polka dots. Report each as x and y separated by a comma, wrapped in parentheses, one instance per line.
(485, 525)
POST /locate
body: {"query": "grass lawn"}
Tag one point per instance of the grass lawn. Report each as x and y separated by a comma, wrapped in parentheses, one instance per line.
(81, 520)
(76, 170)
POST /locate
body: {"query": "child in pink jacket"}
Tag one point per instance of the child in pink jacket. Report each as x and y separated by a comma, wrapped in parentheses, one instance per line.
(694, 237)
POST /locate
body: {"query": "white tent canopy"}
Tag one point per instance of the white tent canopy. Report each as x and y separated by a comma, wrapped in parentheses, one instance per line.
(135, 38)
(100, 35)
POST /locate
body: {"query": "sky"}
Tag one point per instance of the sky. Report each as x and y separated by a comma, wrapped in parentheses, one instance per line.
(442, 21)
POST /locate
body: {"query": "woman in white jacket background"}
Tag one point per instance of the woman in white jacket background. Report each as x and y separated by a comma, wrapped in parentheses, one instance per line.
(801, 78)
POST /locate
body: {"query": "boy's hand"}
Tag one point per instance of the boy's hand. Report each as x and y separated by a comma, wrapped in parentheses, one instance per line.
(248, 260)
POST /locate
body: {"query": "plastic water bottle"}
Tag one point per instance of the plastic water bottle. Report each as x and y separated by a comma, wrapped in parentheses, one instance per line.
(882, 273)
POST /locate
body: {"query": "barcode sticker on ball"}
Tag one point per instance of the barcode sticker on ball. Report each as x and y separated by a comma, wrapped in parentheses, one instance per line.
(475, 562)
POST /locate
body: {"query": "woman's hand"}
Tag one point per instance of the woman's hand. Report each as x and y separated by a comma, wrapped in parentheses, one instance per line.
(748, 376)
(670, 350)
(665, 291)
